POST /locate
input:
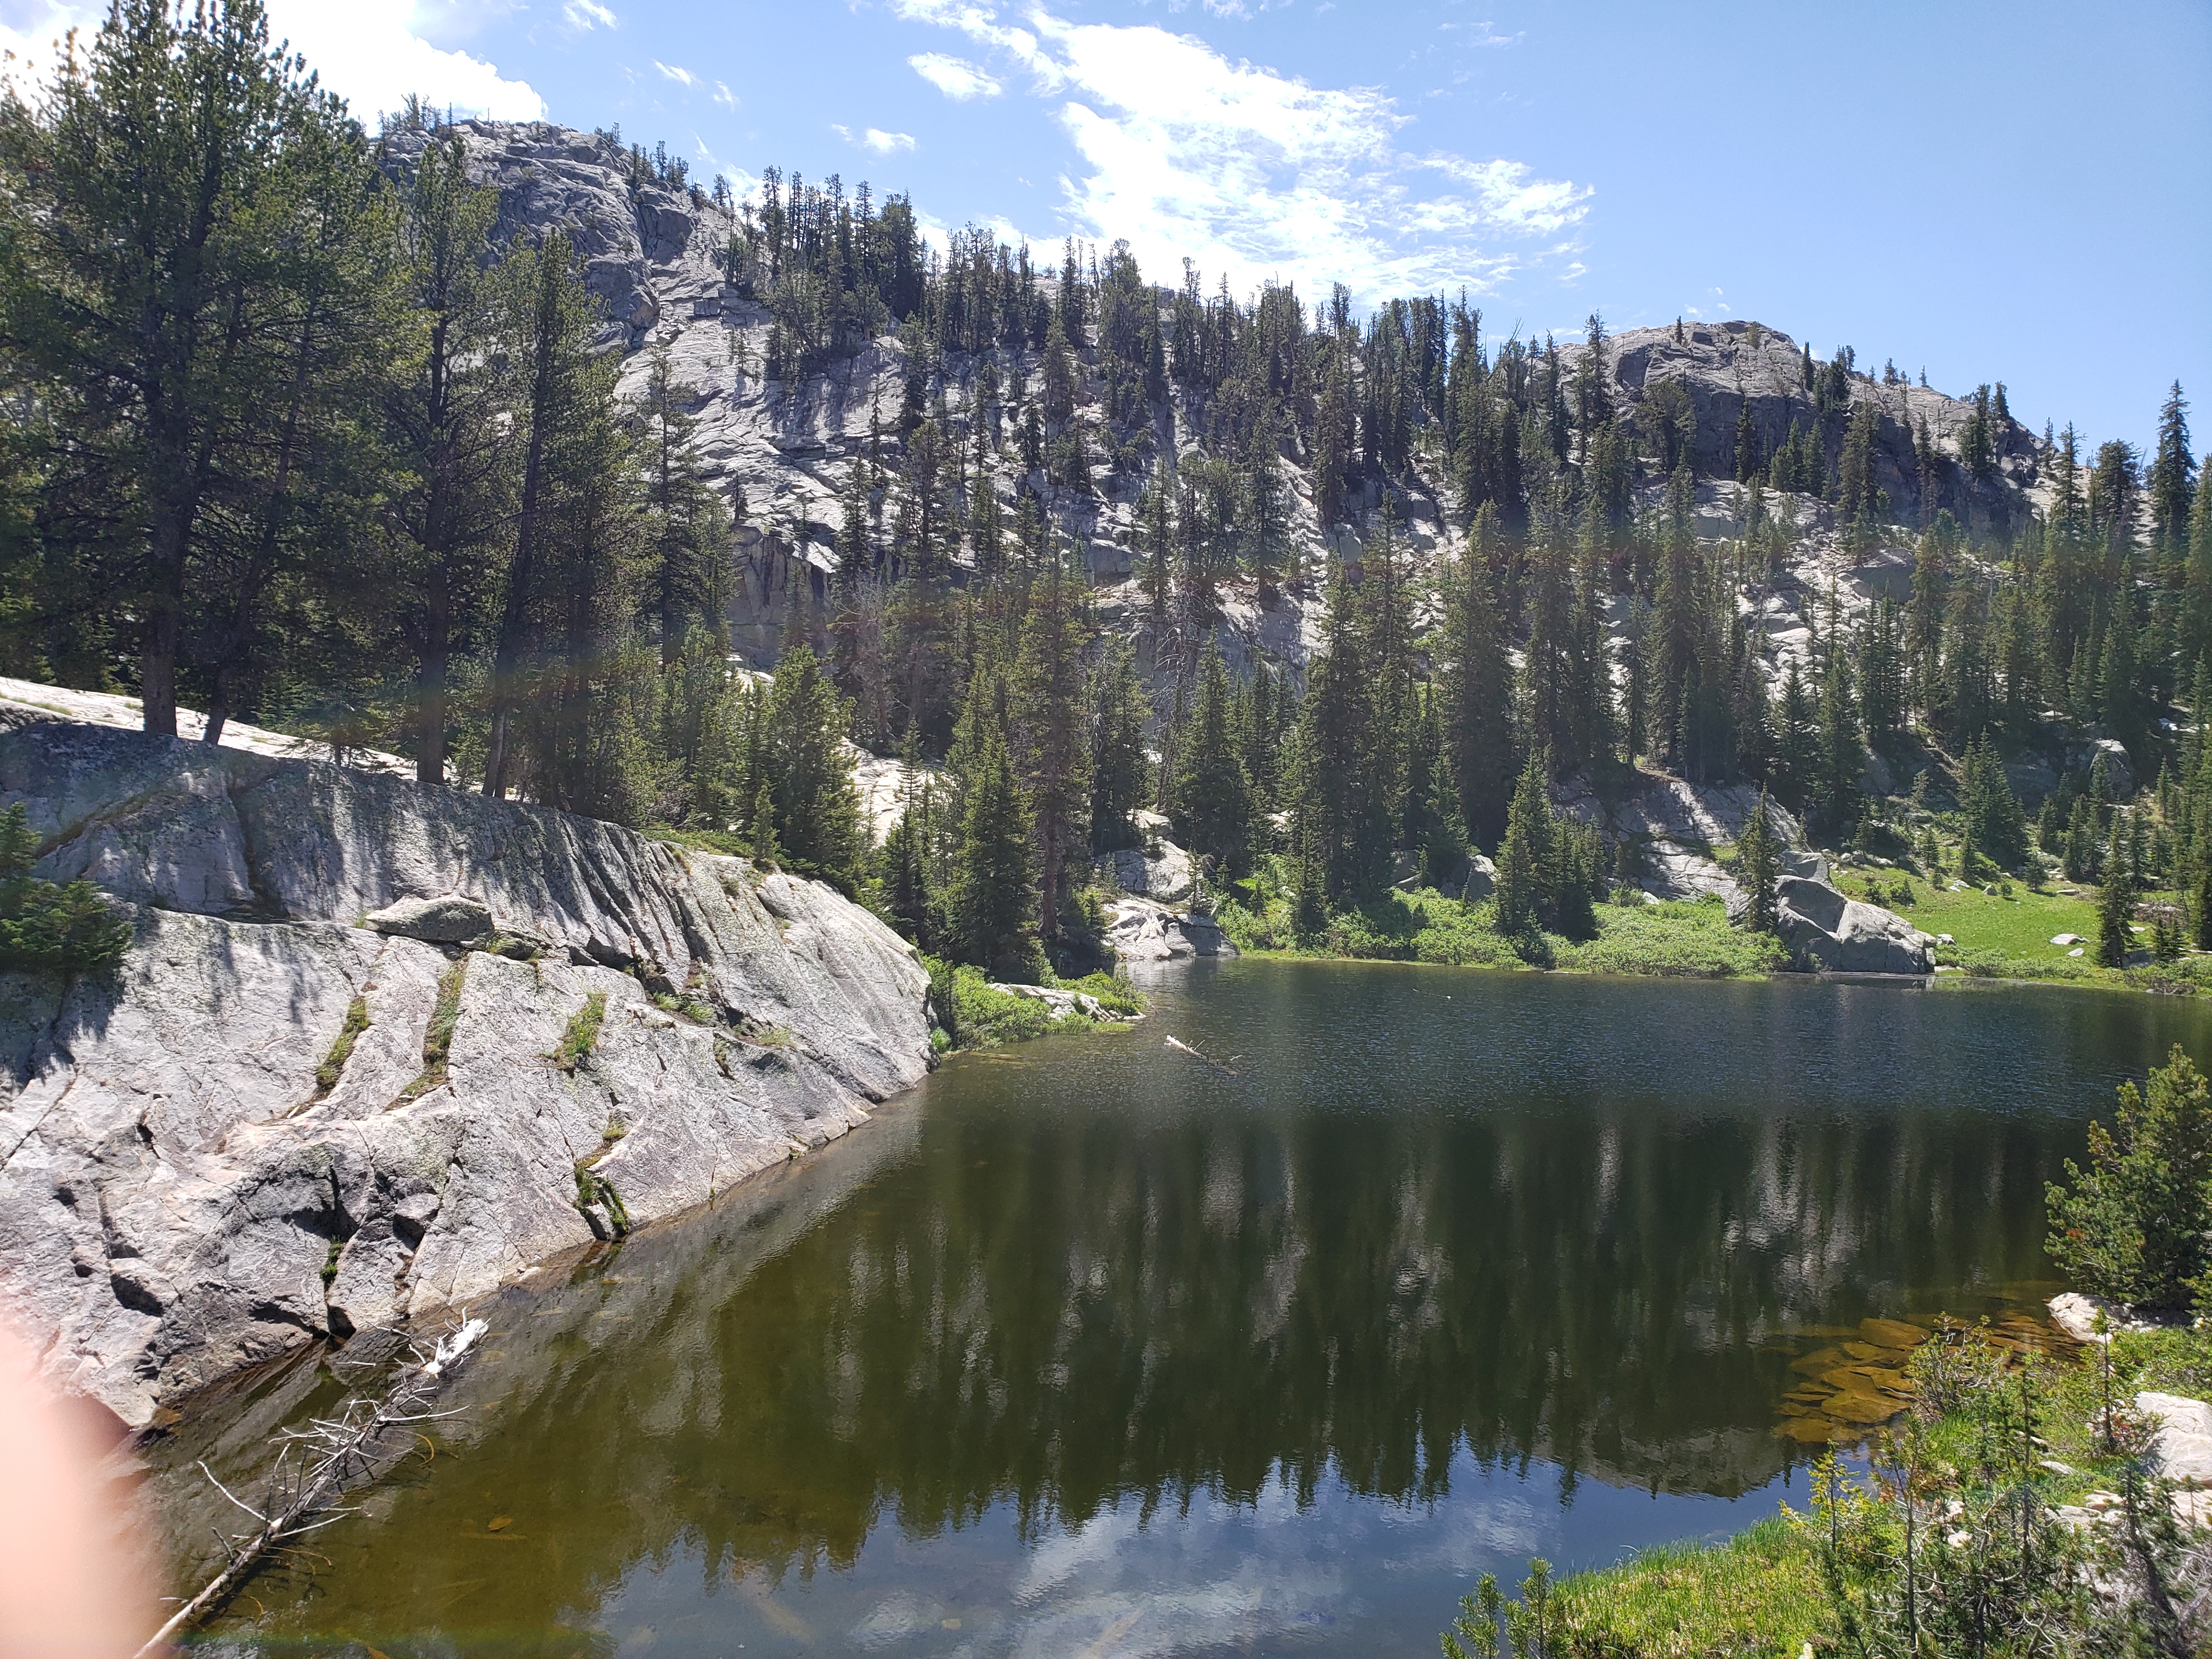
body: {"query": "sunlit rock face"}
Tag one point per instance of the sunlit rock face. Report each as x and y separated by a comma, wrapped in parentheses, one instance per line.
(276, 1120)
(655, 256)
(1826, 930)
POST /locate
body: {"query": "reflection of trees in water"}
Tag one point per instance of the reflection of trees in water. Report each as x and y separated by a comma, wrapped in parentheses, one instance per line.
(1358, 1295)
(1068, 1310)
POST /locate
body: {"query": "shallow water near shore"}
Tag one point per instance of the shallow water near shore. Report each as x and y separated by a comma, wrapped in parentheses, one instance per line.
(1086, 1348)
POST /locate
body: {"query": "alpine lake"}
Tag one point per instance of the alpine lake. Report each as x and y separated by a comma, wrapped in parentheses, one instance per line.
(1092, 1347)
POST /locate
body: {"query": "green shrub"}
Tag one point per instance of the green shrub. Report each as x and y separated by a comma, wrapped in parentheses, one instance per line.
(1114, 992)
(1691, 940)
(44, 926)
(2137, 1224)
(972, 1015)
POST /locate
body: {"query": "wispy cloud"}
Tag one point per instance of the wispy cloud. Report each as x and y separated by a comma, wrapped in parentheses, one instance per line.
(876, 139)
(724, 96)
(1241, 11)
(1258, 174)
(956, 77)
(676, 72)
(1484, 33)
(587, 14)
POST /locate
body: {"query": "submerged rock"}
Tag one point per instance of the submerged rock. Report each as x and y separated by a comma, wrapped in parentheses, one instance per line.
(270, 1123)
(1825, 930)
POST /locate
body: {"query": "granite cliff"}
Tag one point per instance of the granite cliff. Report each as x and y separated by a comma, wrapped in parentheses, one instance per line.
(378, 1048)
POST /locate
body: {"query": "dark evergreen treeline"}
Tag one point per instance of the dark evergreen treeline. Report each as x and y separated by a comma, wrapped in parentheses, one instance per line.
(291, 434)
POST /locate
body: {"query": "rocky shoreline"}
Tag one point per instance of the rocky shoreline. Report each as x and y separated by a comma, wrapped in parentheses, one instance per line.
(275, 1123)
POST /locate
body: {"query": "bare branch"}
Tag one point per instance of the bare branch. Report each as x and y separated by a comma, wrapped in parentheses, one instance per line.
(350, 1447)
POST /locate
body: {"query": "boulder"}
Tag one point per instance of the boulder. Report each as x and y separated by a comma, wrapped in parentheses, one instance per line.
(1142, 930)
(236, 1144)
(1160, 871)
(2181, 1448)
(2118, 767)
(1481, 879)
(1061, 1004)
(1875, 777)
(449, 919)
(1825, 930)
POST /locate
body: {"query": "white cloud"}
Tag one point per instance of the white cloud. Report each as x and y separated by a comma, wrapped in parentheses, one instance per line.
(956, 77)
(676, 73)
(876, 139)
(724, 96)
(34, 44)
(586, 15)
(369, 54)
(1258, 174)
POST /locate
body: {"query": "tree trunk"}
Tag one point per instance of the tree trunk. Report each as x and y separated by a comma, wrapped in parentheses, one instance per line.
(507, 657)
(430, 689)
(157, 654)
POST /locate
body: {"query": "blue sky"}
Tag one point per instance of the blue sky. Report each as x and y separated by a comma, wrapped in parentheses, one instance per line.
(2014, 190)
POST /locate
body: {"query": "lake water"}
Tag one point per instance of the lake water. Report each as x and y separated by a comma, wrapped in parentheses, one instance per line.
(1088, 1349)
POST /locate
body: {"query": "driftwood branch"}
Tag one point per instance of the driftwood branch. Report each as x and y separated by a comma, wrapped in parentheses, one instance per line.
(318, 1465)
(1182, 1047)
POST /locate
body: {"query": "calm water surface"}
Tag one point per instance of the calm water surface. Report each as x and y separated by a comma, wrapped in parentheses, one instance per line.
(1086, 1349)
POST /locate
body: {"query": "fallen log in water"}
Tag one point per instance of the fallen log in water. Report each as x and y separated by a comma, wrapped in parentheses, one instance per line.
(317, 1466)
(1184, 1047)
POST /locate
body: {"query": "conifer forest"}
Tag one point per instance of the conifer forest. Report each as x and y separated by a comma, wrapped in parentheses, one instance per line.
(321, 422)
(561, 716)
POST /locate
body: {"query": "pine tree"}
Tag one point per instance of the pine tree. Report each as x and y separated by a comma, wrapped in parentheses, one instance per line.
(1522, 857)
(1842, 753)
(149, 293)
(579, 697)
(679, 539)
(442, 409)
(2116, 911)
(1340, 806)
(994, 900)
(1758, 864)
(1593, 383)
(2171, 485)
(1268, 511)
(1748, 464)
(817, 810)
(1213, 795)
(2200, 903)
(906, 859)
(1051, 753)
(1118, 767)
(1796, 738)
(1993, 823)
(552, 323)
(761, 821)
(2082, 854)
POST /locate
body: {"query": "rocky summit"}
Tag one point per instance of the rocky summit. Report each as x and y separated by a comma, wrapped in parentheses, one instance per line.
(376, 1050)
(657, 256)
